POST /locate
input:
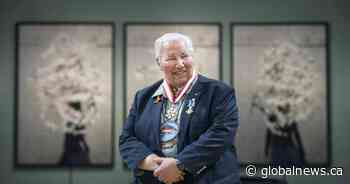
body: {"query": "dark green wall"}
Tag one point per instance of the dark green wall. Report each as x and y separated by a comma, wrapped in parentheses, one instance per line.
(224, 11)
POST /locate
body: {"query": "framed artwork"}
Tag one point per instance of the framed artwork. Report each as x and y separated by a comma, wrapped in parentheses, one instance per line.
(141, 68)
(64, 94)
(281, 77)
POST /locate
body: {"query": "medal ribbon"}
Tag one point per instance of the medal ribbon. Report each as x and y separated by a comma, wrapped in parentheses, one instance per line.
(170, 94)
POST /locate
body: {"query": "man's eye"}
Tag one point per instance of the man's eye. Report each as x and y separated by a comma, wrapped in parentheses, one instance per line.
(170, 59)
(184, 56)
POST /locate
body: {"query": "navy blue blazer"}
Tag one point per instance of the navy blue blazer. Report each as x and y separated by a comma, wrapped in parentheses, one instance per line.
(205, 140)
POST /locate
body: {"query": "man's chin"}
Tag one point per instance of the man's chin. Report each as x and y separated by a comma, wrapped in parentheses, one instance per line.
(181, 83)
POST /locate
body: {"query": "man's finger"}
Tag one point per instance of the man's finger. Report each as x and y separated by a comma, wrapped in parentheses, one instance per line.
(157, 171)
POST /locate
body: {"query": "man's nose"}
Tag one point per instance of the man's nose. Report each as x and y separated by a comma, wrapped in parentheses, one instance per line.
(180, 62)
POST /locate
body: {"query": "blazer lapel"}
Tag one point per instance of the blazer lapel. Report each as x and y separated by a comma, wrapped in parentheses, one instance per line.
(156, 112)
(186, 115)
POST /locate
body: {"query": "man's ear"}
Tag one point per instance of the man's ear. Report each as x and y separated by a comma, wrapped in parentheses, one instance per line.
(158, 62)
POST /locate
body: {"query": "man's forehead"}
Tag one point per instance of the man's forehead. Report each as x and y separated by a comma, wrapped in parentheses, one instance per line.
(174, 52)
(176, 42)
(174, 47)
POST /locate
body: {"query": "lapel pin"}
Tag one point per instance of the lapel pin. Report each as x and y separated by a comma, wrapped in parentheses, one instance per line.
(190, 106)
(157, 100)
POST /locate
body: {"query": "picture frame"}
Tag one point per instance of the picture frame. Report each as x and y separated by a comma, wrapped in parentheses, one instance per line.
(139, 38)
(270, 60)
(64, 106)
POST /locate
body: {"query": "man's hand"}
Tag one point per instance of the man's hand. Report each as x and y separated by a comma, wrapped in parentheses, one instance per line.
(150, 163)
(168, 171)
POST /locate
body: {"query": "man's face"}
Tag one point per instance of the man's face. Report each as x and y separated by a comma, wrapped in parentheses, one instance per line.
(176, 63)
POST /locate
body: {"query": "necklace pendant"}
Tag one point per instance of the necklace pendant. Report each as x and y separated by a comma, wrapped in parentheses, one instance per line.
(171, 113)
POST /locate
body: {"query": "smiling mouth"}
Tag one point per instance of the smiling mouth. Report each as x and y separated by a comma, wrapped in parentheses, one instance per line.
(179, 72)
(180, 75)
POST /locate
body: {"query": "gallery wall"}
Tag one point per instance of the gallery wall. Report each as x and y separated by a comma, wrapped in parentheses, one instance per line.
(335, 12)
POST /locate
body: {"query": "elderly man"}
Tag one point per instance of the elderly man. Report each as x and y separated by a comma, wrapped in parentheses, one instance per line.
(181, 129)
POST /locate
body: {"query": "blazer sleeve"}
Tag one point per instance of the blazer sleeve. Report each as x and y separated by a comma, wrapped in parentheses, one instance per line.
(210, 146)
(131, 149)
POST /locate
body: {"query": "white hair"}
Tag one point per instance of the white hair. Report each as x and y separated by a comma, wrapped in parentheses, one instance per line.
(168, 37)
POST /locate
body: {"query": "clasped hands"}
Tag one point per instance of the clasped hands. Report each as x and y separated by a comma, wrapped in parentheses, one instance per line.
(163, 167)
